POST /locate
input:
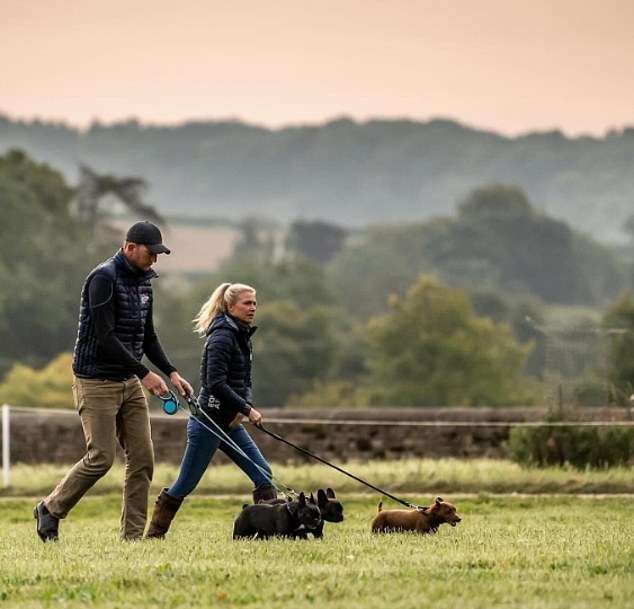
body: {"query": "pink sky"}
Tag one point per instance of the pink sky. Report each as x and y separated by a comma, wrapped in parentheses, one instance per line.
(506, 65)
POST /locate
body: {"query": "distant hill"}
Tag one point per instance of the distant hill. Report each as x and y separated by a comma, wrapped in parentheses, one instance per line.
(346, 172)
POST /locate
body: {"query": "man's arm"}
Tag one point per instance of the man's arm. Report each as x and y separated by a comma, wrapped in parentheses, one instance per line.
(153, 349)
(155, 353)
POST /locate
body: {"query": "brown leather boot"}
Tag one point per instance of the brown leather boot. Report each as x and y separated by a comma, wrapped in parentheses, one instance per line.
(264, 492)
(165, 509)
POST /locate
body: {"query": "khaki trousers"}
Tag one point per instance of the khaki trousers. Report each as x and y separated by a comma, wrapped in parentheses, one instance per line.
(111, 411)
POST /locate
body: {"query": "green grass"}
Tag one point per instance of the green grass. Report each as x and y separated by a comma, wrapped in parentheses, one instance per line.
(529, 552)
(418, 479)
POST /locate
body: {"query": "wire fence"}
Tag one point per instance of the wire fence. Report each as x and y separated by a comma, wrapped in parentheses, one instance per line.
(579, 365)
(325, 422)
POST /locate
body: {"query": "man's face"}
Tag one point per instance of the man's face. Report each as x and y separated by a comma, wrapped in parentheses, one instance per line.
(139, 256)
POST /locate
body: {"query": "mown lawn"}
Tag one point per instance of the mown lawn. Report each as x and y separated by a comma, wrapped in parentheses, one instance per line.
(510, 551)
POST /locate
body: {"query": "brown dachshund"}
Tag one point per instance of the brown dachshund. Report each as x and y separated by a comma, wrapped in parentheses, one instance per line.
(421, 520)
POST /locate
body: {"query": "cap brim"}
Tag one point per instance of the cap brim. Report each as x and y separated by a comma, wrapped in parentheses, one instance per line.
(159, 248)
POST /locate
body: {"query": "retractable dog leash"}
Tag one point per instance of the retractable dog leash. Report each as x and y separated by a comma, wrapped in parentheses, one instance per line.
(339, 469)
(171, 404)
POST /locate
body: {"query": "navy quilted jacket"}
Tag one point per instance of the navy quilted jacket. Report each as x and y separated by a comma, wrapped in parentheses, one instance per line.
(225, 369)
(132, 300)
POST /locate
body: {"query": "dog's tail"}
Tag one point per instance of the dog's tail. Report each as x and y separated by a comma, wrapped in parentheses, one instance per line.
(379, 507)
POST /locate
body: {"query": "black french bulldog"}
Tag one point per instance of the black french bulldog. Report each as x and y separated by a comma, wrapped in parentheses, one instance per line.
(264, 520)
(330, 508)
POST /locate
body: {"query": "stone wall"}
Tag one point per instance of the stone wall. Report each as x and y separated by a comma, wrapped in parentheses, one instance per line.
(336, 435)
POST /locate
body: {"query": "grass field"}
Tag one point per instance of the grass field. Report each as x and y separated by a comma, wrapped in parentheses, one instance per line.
(511, 550)
(537, 552)
(548, 551)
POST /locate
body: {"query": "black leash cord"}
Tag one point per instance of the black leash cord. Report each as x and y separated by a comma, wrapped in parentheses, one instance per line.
(339, 469)
(195, 411)
(224, 437)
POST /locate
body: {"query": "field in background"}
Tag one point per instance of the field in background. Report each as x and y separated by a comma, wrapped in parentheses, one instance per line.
(418, 480)
(533, 553)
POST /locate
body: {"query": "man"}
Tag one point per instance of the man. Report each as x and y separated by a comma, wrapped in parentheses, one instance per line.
(115, 331)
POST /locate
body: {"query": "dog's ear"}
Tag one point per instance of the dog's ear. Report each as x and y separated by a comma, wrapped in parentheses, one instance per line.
(302, 499)
(330, 493)
(379, 507)
(245, 505)
(311, 499)
(439, 500)
(322, 498)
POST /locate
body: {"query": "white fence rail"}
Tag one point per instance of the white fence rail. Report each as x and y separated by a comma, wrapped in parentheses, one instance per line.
(6, 447)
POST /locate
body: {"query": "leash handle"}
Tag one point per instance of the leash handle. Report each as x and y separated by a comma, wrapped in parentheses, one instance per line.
(170, 402)
(192, 404)
(339, 469)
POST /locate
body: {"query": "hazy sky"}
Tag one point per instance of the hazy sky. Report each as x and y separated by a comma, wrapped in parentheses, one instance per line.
(506, 65)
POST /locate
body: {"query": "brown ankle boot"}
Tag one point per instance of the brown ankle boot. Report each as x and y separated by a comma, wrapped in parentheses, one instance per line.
(264, 492)
(165, 509)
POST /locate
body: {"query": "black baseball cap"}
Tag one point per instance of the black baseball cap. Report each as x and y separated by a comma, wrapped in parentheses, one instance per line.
(148, 234)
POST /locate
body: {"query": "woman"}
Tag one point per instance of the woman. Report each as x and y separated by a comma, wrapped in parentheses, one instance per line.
(225, 396)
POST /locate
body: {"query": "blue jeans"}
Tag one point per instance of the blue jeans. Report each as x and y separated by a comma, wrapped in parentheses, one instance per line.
(201, 447)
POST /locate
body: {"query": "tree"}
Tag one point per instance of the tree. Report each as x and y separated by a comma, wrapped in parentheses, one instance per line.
(293, 348)
(295, 278)
(530, 253)
(432, 350)
(618, 320)
(318, 241)
(94, 187)
(44, 255)
(385, 259)
(260, 240)
(48, 387)
(495, 201)
(496, 243)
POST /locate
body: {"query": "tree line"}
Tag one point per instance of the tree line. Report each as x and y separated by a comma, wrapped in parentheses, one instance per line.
(428, 313)
(347, 172)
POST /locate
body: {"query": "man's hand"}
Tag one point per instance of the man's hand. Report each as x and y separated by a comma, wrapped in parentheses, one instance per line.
(154, 384)
(182, 386)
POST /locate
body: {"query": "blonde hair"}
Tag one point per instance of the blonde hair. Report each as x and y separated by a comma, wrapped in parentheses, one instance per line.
(225, 295)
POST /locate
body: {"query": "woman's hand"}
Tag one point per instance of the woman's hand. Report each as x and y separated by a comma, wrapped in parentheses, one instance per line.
(255, 417)
(235, 422)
